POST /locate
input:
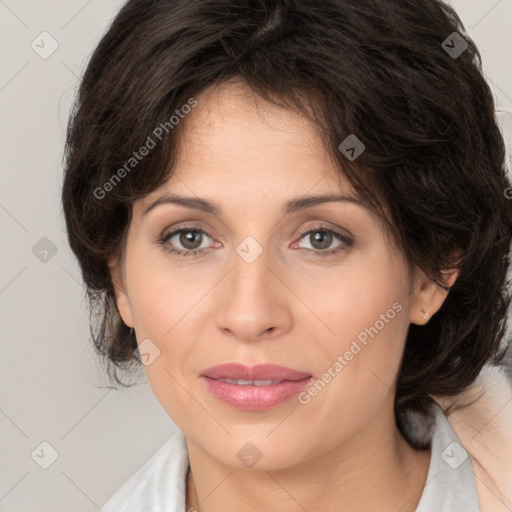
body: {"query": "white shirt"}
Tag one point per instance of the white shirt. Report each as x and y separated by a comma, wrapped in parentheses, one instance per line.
(160, 484)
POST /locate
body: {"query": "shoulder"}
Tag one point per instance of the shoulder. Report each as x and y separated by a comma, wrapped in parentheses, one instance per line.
(156, 486)
(485, 429)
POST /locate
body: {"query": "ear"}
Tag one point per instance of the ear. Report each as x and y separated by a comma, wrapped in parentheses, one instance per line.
(122, 301)
(428, 297)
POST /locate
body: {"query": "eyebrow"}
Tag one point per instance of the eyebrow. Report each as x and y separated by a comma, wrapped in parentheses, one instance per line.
(291, 206)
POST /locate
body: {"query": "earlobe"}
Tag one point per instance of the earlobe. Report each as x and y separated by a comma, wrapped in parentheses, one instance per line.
(122, 301)
(428, 297)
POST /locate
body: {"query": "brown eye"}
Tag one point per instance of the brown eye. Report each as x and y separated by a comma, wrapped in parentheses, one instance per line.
(190, 239)
(320, 239)
(185, 241)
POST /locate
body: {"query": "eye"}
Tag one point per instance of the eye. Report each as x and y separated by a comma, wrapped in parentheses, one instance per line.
(191, 242)
(321, 239)
(190, 239)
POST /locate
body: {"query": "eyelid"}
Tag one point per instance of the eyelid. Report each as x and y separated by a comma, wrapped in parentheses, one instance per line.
(185, 225)
(344, 233)
(168, 234)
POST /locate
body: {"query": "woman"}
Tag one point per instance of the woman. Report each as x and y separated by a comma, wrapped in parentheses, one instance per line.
(291, 215)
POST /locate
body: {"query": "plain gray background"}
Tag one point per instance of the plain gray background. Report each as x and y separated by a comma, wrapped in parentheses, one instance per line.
(51, 381)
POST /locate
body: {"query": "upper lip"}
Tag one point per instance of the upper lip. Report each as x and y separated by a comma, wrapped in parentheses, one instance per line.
(257, 372)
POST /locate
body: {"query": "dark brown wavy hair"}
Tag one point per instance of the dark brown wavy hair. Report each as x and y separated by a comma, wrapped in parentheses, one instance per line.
(434, 155)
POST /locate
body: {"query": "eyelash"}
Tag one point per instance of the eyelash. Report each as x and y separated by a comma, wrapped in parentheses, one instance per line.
(315, 252)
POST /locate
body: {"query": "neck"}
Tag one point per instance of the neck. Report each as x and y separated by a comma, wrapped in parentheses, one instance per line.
(374, 470)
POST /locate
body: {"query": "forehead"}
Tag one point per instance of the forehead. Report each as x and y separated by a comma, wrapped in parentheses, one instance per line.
(234, 103)
(236, 141)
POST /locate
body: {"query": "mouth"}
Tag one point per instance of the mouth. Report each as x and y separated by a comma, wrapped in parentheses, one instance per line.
(242, 382)
(255, 388)
(259, 372)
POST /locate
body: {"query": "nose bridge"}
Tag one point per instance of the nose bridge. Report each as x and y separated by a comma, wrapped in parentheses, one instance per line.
(252, 304)
(250, 275)
(250, 267)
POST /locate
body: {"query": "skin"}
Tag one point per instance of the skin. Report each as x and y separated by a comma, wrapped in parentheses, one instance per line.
(342, 450)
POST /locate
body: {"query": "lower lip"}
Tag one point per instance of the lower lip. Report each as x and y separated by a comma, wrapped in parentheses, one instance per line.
(256, 398)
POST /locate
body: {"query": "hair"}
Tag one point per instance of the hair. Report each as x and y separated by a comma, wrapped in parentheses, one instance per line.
(433, 167)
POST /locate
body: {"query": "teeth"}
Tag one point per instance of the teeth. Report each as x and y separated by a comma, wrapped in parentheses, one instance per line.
(241, 382)
(265, 382)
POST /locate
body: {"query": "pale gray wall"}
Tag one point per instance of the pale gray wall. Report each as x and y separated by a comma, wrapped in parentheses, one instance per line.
(50, 379)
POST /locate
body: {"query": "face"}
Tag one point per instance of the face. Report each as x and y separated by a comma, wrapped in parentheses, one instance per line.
(266, 279)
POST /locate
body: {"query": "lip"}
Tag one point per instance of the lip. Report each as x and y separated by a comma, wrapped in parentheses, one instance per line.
(251, 397)
(257, 372)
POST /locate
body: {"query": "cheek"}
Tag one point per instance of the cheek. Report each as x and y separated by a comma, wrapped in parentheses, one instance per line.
(354, 301)
(163, 313)
(167, 309)
(367, 315)
(162, 298)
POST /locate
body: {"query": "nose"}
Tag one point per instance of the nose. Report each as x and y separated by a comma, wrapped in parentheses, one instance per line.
(254, 304)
